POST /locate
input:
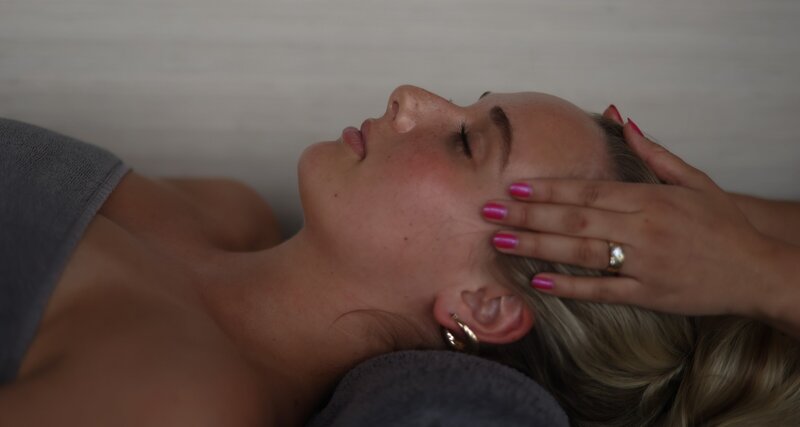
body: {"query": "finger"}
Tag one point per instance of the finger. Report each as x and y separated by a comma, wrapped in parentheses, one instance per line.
(611, 113)
(559, 219)
(609, 195)
(614, 290)
(667, 166)
(584, 252)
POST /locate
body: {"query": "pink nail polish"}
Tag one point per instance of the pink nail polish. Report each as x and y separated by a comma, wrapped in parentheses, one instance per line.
(505, 241)
(542, 283)
(494, 211)
(635, 127)
(520, 189)
(615, 112)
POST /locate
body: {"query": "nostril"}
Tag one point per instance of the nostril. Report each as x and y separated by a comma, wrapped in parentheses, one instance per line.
(395, 108)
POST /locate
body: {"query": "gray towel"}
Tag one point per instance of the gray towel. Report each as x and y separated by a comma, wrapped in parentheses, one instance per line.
(51, 186)
(426, 388)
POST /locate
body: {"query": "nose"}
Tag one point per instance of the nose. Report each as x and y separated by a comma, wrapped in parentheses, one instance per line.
(409, 106)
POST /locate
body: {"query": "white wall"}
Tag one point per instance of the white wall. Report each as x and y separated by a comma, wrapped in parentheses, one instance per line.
(239, 87)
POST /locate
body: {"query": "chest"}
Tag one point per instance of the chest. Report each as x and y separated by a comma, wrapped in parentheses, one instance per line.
(124, 318)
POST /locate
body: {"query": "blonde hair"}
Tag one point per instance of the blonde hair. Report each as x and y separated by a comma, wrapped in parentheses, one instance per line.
(617, 365)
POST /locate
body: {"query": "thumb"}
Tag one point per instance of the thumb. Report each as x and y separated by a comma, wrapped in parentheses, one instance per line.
(667, 166)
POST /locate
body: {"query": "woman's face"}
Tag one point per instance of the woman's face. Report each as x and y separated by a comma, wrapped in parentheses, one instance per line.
(404, 222)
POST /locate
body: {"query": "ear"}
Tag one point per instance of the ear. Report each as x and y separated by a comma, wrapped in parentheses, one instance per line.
(492, 312)
(612, 113)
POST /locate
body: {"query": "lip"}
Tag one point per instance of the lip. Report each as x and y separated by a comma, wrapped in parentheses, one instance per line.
(356, 138)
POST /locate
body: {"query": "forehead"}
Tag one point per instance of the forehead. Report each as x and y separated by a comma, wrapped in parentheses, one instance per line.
(552, 137)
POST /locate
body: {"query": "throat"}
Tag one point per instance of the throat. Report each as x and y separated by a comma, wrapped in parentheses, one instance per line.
(296, 326)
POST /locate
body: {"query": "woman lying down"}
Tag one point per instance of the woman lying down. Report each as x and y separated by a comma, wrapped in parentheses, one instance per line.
(518, 228)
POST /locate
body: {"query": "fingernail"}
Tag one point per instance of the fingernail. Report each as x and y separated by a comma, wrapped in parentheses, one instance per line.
(494, 211)
(542, 283)
(505, 240)
(520, 189)
(635, 127)
(616, 112)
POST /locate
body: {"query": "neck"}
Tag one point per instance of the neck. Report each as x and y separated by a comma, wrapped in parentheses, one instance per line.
(285, 308)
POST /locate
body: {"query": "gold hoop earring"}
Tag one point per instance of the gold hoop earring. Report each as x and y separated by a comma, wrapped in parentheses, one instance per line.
(469, 346)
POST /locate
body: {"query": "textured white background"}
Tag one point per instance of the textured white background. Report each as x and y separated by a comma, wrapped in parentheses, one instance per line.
(239, 87)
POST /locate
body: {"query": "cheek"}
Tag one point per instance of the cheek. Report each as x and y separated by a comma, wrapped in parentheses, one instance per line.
(409, 214)
(417, 192)
(414, 174)
(397, 212)
(409, 194)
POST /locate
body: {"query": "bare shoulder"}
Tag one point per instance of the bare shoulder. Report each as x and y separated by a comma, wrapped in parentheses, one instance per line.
(232, 204)
(228, 213)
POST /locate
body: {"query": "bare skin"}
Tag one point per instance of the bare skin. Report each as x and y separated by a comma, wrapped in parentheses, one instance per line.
(169, 313)
(691, 248)
(108, 336)
(156, 301)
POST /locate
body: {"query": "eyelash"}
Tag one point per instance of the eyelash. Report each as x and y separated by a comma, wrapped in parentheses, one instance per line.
(463, 135)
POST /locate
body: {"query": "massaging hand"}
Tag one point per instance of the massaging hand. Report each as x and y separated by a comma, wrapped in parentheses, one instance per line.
(688, 248)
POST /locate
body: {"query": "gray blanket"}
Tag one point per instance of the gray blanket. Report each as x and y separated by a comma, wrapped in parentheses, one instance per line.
(51, 186)
(427, 388)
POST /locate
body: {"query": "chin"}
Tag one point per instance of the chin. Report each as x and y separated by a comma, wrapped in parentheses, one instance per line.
(319, 171)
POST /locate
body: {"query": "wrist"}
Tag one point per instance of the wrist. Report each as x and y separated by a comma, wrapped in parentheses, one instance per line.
(778, 288)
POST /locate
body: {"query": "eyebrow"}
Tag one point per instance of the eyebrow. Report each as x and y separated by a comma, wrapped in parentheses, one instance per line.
(499, 118)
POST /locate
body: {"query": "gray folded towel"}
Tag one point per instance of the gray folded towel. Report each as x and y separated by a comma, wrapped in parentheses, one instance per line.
(429, 388)
(51, 186)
